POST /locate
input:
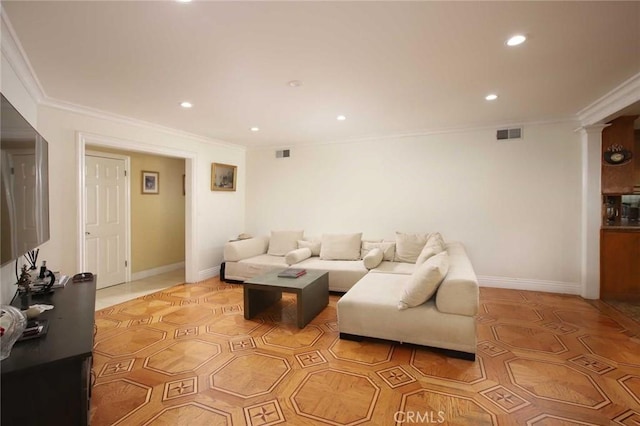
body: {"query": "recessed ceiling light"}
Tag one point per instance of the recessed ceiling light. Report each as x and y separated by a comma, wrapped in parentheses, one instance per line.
(255, 129)
(516, 40)
(294, 83)
(183, 1)
(491, 97)
(341, 118)
(186, 104)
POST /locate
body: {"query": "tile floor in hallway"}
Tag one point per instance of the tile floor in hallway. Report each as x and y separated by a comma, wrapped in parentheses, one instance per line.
(120, 293)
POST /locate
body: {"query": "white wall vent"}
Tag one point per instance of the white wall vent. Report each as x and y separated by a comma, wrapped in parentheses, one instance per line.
(283, 153)
(510, 133)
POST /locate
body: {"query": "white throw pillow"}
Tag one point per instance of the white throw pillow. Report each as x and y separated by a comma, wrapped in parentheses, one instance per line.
(424, 282)
(282, 242)
(409, 246)
(388, 249)
(314, 246)
(341, 246)
(373, 258)
(297, 255)
(435, 244)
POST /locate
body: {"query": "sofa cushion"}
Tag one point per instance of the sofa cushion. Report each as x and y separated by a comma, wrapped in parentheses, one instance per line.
(373, 258)
(297, 255)
(409, 246)
(401, 268)
(388, 249)
(341, 246)
(282, 242)
(314, 246)
(244, 249)
(343, 274)
(435, 244)
(425, 281)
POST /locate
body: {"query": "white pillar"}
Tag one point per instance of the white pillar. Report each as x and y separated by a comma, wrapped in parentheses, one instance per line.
(591, 139)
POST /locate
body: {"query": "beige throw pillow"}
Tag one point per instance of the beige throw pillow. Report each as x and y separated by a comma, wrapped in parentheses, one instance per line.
(373, 258)
(435, 244)
(282, 242)
(424, 282)
(298, 255)
(388, 249)
(341, 246)
(314, 246)
(409, 246)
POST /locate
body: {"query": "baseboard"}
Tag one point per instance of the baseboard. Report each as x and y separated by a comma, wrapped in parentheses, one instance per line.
(209, 273)
(529, 284)
(155, 271)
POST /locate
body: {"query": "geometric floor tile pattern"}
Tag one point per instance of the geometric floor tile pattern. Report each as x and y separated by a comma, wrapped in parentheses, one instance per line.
(186, 355)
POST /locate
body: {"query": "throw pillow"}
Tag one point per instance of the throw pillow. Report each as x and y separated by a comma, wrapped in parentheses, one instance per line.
(409, 246)
(388, 249)
(373, 258)
(435, 244)
(314, 246)
(341, 246)
(282, 242)
(297, 255)
(424, 282)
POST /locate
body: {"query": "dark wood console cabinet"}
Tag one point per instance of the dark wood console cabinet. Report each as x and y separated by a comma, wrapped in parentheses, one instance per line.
(46, 380)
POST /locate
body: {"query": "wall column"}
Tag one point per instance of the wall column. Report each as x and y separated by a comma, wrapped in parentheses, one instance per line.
(591, 141)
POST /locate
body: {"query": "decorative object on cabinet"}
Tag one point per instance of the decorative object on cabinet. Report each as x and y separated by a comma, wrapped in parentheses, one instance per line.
(617, 155)
(150, 182)
(618, 160)
(223, 177)
(12, 324)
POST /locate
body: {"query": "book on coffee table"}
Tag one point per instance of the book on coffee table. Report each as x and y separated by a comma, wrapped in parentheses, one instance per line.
(292, 273)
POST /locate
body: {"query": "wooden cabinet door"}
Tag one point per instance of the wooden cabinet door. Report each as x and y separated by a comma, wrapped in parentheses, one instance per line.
(619, 265)
(619, 178)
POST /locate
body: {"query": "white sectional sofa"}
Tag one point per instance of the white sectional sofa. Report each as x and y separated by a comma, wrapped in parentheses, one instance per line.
(377, 281)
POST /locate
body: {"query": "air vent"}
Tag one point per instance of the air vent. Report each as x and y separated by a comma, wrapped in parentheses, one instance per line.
(283, 153)
(511, 133)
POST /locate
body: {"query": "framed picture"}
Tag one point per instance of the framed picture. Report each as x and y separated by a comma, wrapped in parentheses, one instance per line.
(223, 177)
(150, 182)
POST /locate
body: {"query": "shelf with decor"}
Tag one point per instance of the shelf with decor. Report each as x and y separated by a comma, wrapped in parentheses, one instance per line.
(620, 231)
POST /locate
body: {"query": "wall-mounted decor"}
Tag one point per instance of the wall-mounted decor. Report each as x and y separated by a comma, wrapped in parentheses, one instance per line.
(150, 182)
(223, 177)
(617, 154)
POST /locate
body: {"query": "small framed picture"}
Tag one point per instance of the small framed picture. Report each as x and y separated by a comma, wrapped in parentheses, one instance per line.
(150, 182)
(223, 177)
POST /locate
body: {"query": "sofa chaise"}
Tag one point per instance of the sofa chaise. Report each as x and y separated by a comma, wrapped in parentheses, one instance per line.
(377, 277)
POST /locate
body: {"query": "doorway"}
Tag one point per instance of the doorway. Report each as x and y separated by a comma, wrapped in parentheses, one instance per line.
(190, 166)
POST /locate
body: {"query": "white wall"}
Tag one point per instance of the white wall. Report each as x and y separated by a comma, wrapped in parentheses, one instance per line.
(515, 204)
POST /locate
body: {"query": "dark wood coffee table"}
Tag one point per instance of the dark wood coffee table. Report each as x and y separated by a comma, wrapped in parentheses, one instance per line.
(311, 289)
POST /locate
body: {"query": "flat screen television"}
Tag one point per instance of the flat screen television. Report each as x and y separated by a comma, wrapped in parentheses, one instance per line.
(24, 170)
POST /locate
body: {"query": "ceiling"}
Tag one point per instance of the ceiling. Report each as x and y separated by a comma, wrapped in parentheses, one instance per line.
(391, 68)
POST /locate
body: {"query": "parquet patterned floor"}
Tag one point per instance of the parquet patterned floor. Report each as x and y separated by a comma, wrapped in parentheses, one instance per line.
(187, 356)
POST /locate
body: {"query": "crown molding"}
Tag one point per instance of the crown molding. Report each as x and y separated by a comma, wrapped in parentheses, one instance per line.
(17, 58)
(619, 98)
(421, 133)
(121, 119)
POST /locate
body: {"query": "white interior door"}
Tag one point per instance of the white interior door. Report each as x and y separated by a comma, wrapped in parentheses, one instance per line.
(21, 164)
(105, 219)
